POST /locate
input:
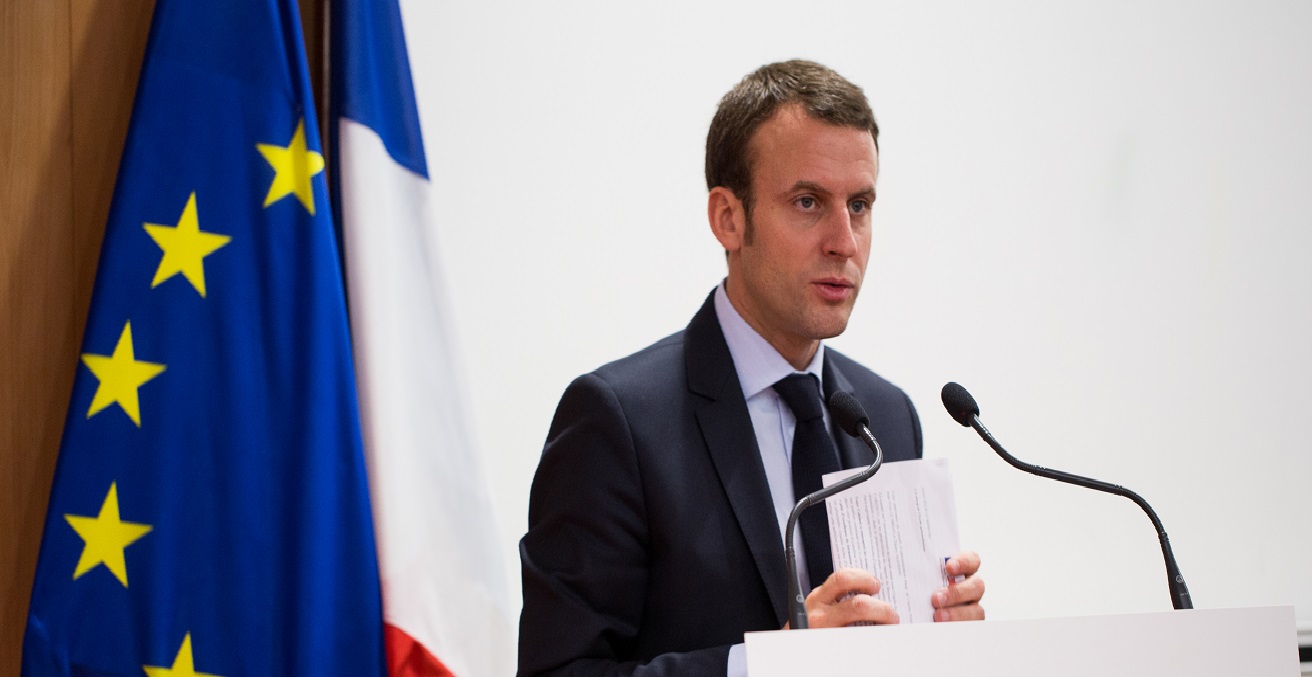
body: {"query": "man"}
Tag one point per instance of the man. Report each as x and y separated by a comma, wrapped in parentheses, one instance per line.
(656, 516)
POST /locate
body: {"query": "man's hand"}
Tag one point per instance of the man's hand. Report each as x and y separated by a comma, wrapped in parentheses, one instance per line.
(960, 600)
(847, 598)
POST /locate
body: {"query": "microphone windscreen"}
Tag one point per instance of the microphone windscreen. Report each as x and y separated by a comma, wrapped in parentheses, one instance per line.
(848, 412)
(959, 403)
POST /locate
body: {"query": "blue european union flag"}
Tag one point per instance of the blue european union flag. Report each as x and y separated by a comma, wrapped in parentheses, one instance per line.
(210, 512)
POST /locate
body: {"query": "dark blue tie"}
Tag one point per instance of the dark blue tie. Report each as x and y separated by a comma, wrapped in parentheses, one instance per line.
(814, 456)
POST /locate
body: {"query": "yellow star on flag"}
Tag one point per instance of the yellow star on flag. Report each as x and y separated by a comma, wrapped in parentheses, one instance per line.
(120, 375)
(185, 246)
(105, 537)
(183, 664)
(294, 166)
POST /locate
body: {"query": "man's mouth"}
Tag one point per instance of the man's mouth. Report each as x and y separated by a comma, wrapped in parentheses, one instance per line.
(835, 289)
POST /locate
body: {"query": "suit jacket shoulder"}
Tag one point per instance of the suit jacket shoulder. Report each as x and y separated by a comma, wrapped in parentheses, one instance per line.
(893, 418)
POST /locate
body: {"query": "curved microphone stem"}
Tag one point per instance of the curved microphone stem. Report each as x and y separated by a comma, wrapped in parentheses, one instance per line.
(796, 598)
(1179, 591)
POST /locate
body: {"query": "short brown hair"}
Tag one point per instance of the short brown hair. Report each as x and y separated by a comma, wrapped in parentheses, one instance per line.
(822, 93)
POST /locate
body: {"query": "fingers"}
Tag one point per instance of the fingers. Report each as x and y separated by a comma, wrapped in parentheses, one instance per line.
(858, 610)
(969, 591)
(968, 612)
(959, 601)
(964, 564)
(843, 583)
(846, 598)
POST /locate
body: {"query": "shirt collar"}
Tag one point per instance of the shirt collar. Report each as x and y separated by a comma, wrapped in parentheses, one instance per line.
(758, 364)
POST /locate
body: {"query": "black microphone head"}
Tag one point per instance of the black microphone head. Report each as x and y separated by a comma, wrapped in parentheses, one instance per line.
(848, 412)
(959, 403)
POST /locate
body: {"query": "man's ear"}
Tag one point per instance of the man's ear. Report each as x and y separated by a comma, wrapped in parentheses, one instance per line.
(728, 218)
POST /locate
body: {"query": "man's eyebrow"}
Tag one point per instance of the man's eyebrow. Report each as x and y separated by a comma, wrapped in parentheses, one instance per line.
(814, 187)
(809, 186)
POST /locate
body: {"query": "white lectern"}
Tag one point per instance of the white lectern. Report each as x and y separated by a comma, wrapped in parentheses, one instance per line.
(1261, 642)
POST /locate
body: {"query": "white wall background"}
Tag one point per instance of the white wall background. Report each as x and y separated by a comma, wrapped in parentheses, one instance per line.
(1096, 216)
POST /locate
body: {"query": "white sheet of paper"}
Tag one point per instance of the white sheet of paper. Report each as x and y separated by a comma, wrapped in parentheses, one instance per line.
(901, 526)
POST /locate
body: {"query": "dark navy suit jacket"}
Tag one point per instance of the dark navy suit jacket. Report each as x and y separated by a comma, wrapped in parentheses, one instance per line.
(652, 543)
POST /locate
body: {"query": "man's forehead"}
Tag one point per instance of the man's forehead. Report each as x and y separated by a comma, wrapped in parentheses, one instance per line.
(793, 146)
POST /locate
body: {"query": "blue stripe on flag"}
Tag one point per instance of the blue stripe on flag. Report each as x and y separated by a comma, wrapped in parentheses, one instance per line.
(371, 78)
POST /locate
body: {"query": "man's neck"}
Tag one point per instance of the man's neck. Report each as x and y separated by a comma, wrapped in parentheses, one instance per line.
(798, 356)
(797, 351)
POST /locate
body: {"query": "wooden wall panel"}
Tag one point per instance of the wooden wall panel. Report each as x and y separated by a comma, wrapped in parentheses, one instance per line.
(108, 42)
(37, 280)
(68, 74)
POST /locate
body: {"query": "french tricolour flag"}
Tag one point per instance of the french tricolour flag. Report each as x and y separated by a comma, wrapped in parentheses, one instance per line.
(444, 594)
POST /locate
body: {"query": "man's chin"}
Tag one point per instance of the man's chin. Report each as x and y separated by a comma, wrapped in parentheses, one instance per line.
(827, 328)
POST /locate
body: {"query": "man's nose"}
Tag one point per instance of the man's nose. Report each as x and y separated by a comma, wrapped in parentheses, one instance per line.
(840, 236)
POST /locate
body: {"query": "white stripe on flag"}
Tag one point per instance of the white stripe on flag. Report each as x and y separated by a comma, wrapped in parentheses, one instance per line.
(442, 574)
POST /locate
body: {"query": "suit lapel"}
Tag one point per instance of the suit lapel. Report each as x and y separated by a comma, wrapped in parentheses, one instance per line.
(852, 453)
(727, 430)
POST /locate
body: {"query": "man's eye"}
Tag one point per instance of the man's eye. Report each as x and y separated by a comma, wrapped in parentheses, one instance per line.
(859, 206)
(806, 202)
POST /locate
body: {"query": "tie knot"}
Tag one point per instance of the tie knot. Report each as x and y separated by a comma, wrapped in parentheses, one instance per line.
(802, 394)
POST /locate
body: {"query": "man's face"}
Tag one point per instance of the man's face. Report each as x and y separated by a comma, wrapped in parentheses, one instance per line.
(796, 278)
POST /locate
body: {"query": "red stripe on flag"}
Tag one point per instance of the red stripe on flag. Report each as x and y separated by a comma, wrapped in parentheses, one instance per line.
(408, 658)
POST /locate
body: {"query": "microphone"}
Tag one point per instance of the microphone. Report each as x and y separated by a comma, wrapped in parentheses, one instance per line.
(963, 409)
(848, 413)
